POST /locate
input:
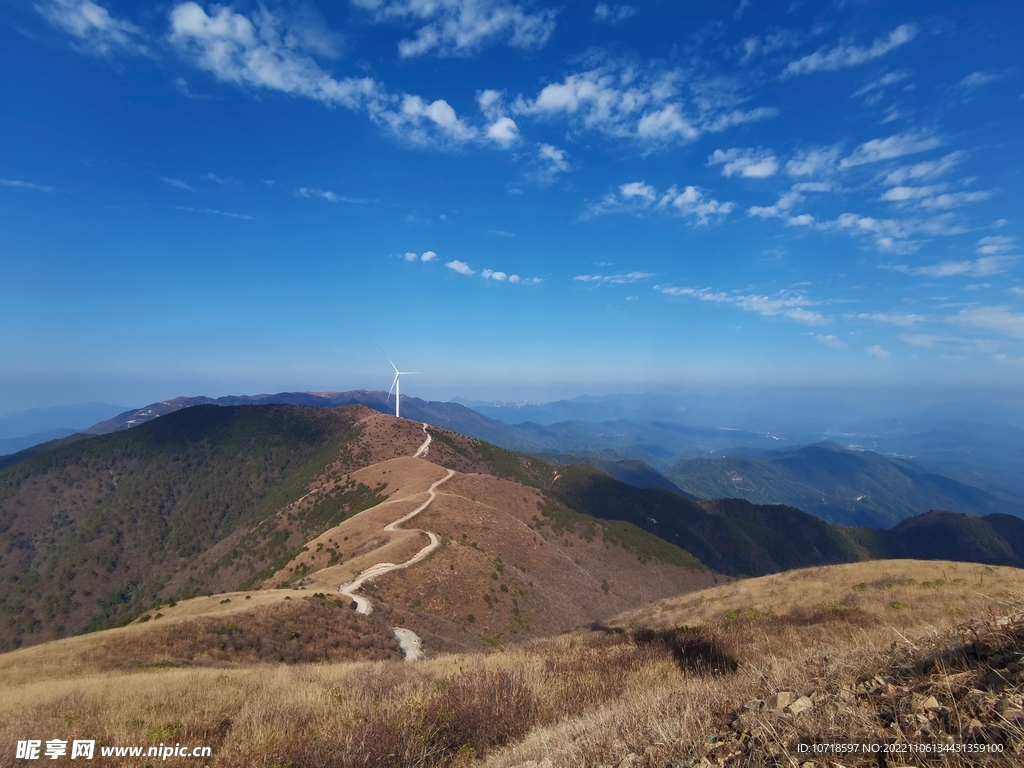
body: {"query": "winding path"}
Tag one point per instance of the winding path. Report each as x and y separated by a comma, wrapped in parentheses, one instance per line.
(407, 639)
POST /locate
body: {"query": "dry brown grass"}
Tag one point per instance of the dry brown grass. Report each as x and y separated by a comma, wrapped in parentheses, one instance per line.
(652, 698)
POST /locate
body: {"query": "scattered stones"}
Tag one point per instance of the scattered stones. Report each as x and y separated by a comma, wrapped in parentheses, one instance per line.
(803, 704)
(781, 700)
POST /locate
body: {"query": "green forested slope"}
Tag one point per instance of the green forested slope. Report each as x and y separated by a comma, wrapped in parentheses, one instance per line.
(90, 531)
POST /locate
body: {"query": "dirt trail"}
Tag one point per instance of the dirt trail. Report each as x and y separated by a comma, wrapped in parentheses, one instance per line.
(407, 639)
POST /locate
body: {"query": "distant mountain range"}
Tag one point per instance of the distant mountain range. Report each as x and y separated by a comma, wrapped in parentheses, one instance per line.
(836, 484)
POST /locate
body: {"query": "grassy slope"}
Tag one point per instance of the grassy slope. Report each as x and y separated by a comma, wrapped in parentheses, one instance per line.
(865, 643)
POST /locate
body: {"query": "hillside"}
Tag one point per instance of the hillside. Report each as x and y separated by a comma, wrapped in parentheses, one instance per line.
(836, 484)
(215, 499)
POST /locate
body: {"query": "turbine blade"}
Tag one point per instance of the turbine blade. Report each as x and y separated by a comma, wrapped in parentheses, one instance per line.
(392, 387)
(389, 359)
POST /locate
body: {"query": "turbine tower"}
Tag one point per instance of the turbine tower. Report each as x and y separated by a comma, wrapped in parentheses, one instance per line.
(396, 386)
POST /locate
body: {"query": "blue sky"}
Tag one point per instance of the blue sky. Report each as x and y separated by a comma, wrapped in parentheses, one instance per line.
(519, 199)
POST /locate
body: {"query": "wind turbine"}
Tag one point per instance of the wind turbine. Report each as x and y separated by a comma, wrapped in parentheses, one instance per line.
(396, 385)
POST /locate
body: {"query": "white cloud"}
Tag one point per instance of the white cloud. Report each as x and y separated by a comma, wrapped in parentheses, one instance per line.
(890, 148)
(553, 162)
(933, 197)
(878, 351)
(415, 110)
(428, 256)
(780, 39)
(619, 101)
(327, 195)
(628, 277)
(890, 318)
(846, 55)
(830, 341)
(613, 14)
(96, 30)
(490, 274)
(215, 178)
(995, 245)
(893, 235)
(783, 304)
(257, 52)
(638, 196)
(176, 183)
(786, 201)
(923, 171)
(638, 189)
(1017, 290)
(983, 267)
(923, 340)
(750, 163)
(692, 202)
(461, 267)
(890, 78)
(820, 161)
(998, 318)
(461, 27)
(268, 51)
(503, 131)
(410, 256)
(977, 79)
(211, 210)
(26, 185)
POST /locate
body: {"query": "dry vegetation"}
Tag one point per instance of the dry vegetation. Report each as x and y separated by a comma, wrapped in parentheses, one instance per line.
(895, 652)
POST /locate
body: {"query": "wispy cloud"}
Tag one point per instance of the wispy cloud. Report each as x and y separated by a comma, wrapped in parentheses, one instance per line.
(848, 55)
(26, 185)
(876, 86)
(878, 351)
(265, 51)
(95, 30)
(819, 161)
(328, 196)
(978, 79)
(995, 245)
(783, 304)
(830, 341)
(628, 277)
(923, 171)
(213, 211)
(1000, 319)
(983, 267)
(653, 107)
(461, 27)
(639, 197)
(889, 148)
(750, 163)
(552, 162)
(933, 197)
(610, 13)
(176, 183)
(889, 318)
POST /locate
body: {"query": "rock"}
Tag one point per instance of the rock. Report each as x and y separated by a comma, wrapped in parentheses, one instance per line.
(781, 700)
(802, 704)
(754, 705)
(927, 705)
